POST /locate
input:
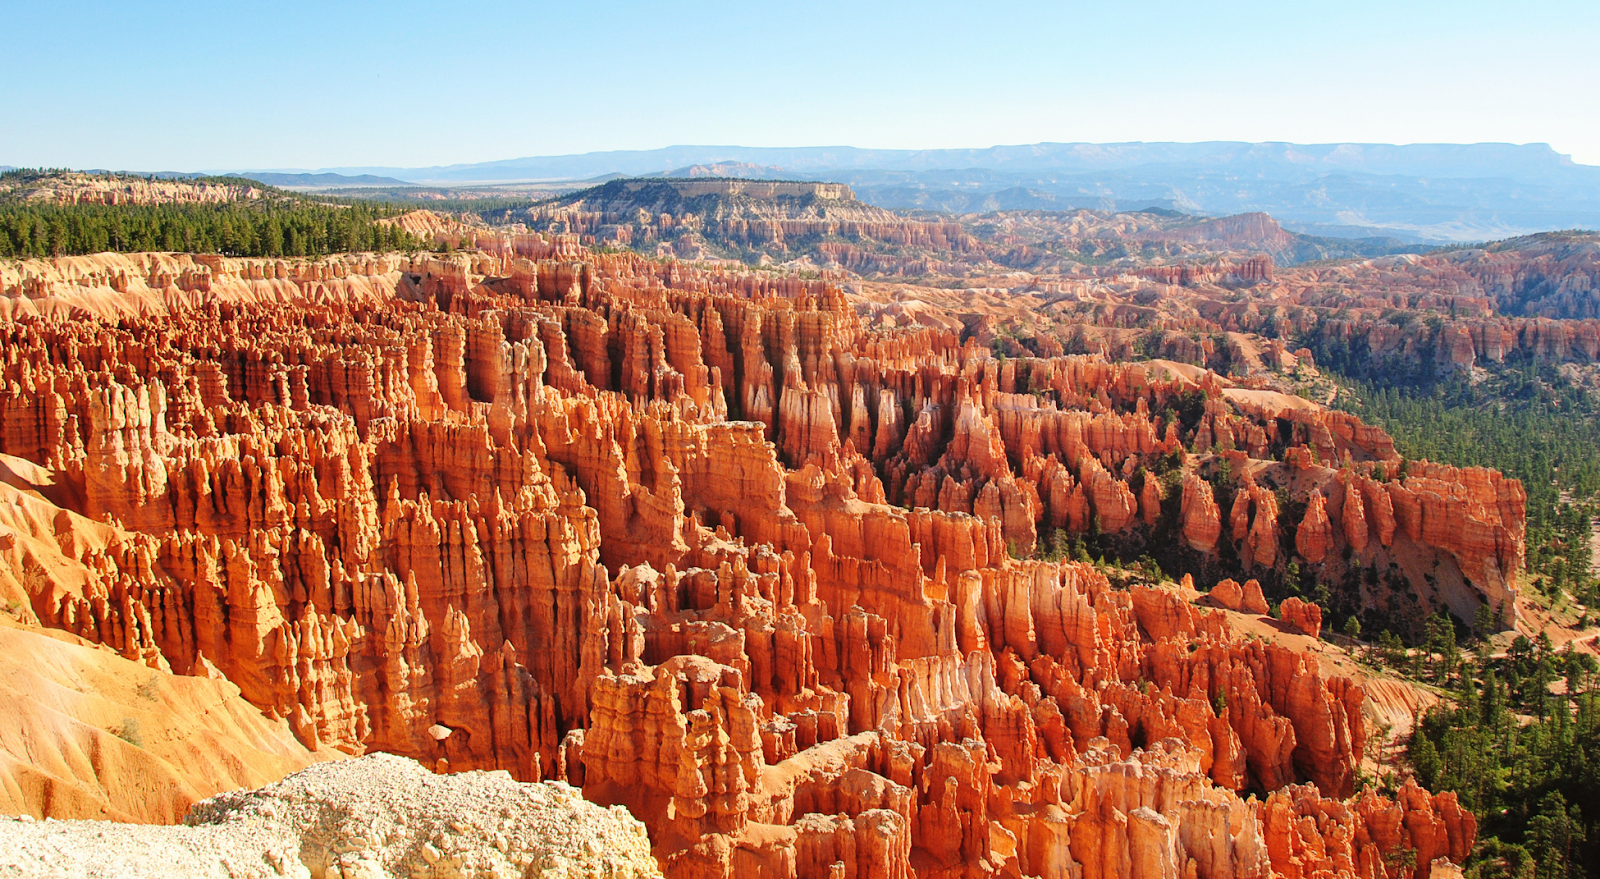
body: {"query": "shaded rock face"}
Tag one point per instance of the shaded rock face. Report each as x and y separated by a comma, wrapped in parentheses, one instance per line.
(1536, 297)
(704, 546)
(1554, 275)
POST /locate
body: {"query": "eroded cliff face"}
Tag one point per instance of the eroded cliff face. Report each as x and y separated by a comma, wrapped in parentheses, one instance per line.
(71, 188)
(1228, 307)
(704, 545)
(784, 220)
(1529, 298)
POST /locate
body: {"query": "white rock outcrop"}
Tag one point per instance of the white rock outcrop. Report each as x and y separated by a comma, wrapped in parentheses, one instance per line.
(374, 817)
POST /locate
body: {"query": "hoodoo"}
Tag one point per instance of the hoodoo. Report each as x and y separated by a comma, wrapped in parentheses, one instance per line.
(792, 588)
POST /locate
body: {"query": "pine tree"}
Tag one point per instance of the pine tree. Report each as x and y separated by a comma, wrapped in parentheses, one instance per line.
(1555, 833)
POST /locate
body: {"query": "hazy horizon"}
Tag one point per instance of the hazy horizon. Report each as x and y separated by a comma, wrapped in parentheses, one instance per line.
(374, 169)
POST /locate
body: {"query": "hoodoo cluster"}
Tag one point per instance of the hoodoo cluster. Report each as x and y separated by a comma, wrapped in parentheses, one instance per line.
(706, 546)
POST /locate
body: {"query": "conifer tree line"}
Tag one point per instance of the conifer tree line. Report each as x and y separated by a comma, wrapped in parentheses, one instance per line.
(277, 225)
(234, 229)
(1518, 740)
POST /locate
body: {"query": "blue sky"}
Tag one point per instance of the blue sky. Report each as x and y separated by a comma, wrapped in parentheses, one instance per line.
(186, 86)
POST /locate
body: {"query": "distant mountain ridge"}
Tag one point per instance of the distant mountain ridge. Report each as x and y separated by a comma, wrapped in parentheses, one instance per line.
(819, 226)
(1526, 161)
(319, 181)
(1438, 192)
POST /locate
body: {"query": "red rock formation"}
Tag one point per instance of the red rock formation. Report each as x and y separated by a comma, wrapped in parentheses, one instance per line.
(1356, 529)
(1475, 514)
(499, 517)
(1314, 536)
(1245, 599)
(1256, 533)
(1350, 838)
(1228, 594)
(1303, 616)
(1150, 501)
(1252, 601)
(1202, 521)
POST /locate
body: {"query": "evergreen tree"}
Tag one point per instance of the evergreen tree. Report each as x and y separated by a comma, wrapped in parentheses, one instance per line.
(272, 229)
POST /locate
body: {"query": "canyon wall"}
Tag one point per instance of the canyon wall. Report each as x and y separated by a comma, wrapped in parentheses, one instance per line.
(704, 545)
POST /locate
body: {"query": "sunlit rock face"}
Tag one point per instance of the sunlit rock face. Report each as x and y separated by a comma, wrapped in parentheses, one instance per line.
(707, 546)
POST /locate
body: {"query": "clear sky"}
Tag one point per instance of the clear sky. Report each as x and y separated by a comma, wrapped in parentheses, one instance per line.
(141, 85)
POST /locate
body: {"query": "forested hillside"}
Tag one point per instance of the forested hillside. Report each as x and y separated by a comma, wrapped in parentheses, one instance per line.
(1519, 734)
(270, 223)
(1530, 421)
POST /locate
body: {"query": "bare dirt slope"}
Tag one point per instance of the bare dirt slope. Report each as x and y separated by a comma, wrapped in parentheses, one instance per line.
(88, 734)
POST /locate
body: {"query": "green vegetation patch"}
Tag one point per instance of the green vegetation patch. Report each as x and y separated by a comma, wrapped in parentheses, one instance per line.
(1517, 742)
(1529, 421)
(279, 224)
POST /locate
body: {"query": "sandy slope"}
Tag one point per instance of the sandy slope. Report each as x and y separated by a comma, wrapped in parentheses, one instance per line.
(88, 734)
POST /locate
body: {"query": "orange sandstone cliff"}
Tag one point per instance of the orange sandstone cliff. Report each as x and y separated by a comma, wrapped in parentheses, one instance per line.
(705, 545)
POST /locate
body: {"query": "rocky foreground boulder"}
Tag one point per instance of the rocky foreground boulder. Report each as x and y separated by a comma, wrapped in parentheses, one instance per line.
(368, 818)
